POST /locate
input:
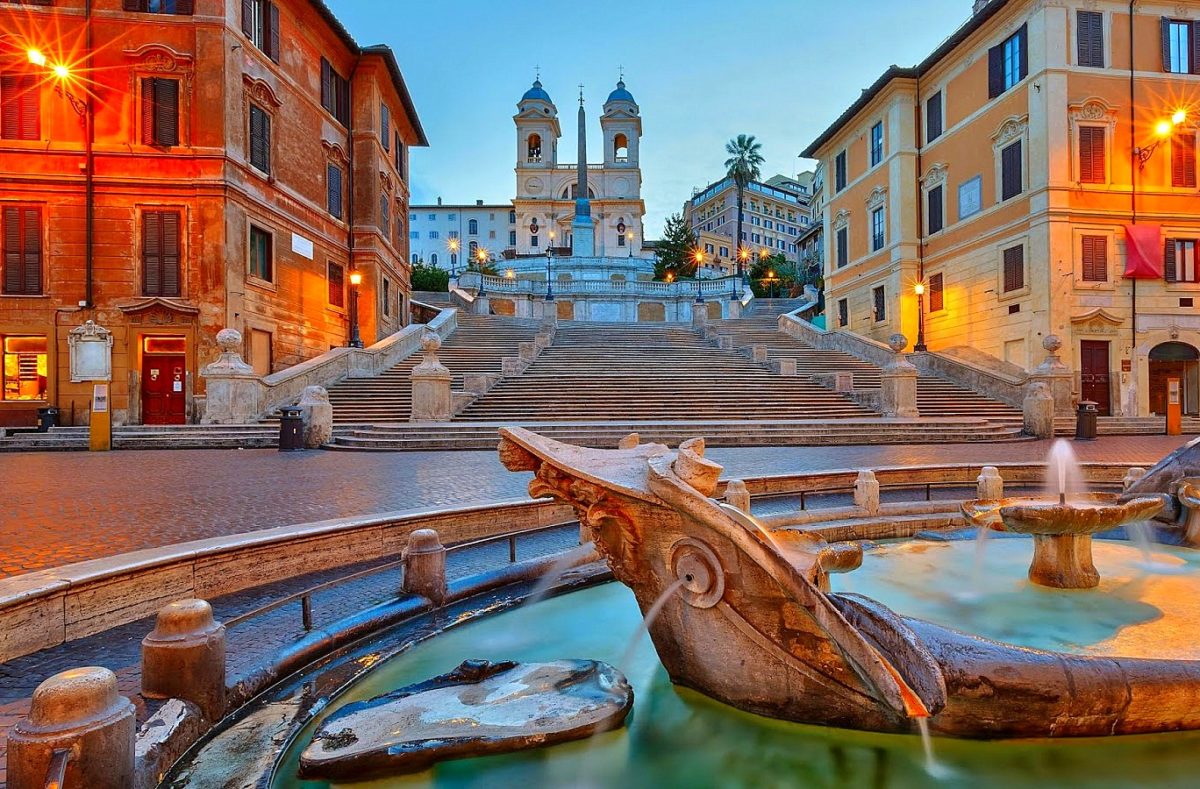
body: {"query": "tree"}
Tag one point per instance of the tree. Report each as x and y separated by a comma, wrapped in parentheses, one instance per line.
(743, 166)
(772, 273)
(676, 250)
(430, 278)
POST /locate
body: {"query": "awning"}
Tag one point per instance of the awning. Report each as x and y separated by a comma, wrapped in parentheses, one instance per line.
(1143, 252)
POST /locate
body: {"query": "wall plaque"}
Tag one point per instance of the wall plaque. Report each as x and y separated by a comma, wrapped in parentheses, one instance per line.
(90, 348)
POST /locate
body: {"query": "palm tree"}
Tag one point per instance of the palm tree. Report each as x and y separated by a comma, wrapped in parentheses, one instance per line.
(743, 165)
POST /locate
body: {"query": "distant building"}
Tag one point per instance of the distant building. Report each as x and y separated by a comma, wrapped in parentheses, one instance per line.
(447, 236)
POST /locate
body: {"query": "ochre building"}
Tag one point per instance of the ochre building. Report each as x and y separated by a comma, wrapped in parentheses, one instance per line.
(169, 168)
(1007, 172)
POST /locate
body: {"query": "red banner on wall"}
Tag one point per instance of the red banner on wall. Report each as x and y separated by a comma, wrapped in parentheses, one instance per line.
(1143, 252)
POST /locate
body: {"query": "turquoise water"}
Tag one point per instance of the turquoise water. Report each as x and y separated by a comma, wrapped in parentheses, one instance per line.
(677, 738)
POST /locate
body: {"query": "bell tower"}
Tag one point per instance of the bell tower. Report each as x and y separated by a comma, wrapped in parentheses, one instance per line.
(622, 127)
(537, 130)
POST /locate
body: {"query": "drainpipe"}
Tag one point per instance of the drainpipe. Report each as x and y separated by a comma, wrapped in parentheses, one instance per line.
(919, 128)
(1133, 186)
(89, 187)
(350, 267)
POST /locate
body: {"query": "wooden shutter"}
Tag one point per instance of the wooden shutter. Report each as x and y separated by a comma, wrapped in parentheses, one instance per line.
(13, 266)
(326, 86)
(933, 117)
(148, 111)
(271, 34)
(843, 252)
(184, 7)
(170, 253)
(880, 306)
(1183, 160)
(29, 246)
(1095, 259)
(995, 71)
(936, 297)
(1169, 273)
(1014, 269)
(1194, 35)
(936, 219)
(385, 127)
(166, 111)
(19, 100)
(343, 100)
(260, 139)
(399, 154)
(1010, 170)
(1091, 155)
(334, 189)
(248, 18)
(1089, 38)
(337, 287)
(1023, 45)
(152, 253)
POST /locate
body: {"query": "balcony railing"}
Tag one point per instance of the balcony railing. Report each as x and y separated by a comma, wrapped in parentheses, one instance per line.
(721, 286)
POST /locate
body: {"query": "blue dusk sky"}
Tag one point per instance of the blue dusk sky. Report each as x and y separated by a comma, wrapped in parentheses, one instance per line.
(702, 71)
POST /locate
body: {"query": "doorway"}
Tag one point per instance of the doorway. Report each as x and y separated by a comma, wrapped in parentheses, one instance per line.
(1094, 374)
(1174, 360)
(164, 378)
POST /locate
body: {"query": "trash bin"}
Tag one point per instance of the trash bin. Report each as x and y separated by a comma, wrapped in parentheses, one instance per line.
(291, 429)
(1085, 421)
(47, 418)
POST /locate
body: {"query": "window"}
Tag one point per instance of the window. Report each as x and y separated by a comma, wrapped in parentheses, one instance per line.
(414, 234)
(22, 250)
(1014, 269)
(178, 7)
(433, 259)
(533, 148)
(512, 238)
(333, 190)
(19, 107)
(533, 241)
(433, 217)
(451, 217)
(1091, 155)
(1183, 160)
(1095, 258)
(1008, 62)
(451, 234)
(620, 148)
(260, 24)
(621, 241)
(385, 215)
(335, 93)
(1179, 260)
(260, 139)
(935, 211)
(387, 296)
(473, 227)
(25, 367)
(160, 111)
(1179, 47)
(843, 312)
(433, 234)
(933, 117)
(877, 229)
(937, 299)
(880, 304)
(454, 259)
(839, 172)
(877, 143)
(385, 127)
(160, 253)
(843, 247)
(1089, 38)
(262, 254)
(472, 251)
(335, 273)
(399, 156)
(1011, 176)
(512, 217)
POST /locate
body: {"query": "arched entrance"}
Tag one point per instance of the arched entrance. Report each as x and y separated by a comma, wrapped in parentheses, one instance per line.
(1174, 360)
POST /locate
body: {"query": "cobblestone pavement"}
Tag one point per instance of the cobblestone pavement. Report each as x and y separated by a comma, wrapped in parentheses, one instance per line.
(58, 508)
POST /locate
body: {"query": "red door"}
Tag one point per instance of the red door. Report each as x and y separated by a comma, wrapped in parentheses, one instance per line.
(1093, 366)
(163, 396)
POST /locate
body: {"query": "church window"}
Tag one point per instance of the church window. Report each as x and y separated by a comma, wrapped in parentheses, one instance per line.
(534, 153)
(620, 148)
(533, 241)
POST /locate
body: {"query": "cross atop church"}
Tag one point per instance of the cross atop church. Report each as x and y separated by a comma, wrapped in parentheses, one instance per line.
(621, 73)
(580, 94)
(537, 73)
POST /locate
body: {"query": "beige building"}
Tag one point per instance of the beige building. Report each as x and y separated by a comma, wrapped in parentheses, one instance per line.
(1006, 171)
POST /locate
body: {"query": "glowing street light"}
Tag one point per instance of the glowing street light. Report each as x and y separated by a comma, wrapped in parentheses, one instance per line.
(698, 256)
(36, 57)
(919, 289)
(481, 257)
(355, 340)
(453, 245)
(1179, 117)
(1162, 130)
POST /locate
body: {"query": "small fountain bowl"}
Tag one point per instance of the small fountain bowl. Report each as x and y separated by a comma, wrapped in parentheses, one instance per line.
(1082, 514)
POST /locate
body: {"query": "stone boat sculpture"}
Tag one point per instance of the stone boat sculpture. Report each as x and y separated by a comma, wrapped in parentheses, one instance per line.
(746, 620)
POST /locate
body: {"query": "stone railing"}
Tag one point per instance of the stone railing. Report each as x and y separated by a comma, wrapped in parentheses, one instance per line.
(236, 395)
(993, 383)
(672, 290)
(864, 348)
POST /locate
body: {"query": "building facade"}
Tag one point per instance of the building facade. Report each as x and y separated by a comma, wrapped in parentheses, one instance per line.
(776, 214)
(1007, 173)
(205, 165)
(448, 236)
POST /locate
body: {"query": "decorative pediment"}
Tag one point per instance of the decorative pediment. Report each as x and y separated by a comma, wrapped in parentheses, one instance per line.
(260, 91)
(1093, 109)
(335, 153)
(841, 219)
(385, 181)
(1010, 129)
(158, 57)
(1096, 321)
(936, 175)
(877, 197)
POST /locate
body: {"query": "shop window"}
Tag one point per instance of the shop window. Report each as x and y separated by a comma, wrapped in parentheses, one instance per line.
(25, 367)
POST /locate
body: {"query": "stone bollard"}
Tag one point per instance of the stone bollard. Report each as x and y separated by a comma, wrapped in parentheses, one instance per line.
(725, 342)
(630, 441)
(431, 401)
(866, 492)
(787, 367)
(1038, 410)
(699, 317)
(512, 366)
(989, 485)
(527, 351)
(735, 309)
(758, 352)
(318, 416)
(898, 383)
(78, 711)
(184, 657)
(425, 566)
(481, 306)
(1131, 476)
(737, 495)
(843, 382)
(234, 391)
(542, 340)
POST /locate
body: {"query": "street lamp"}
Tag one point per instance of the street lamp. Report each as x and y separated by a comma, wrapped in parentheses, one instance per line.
(1162, 130)
(919, 289)
(355, 340)
(481, 257)
(549, 258)
(699, 258)
(453, 245)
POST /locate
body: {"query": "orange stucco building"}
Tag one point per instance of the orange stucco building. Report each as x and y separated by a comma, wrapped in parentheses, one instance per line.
(246, 158)
(1004, 173)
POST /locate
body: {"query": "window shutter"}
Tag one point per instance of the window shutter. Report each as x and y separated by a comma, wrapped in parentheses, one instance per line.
(170, 254)
(385, 127)
(343, 91)
(272, 33)
(13, 270)
(933, 117)
(1194, 33)
(184, 7)
(33, 250)
(10, 108)
(1095, 259)
(326, 88)
(1169, 260)
(248, 18)
(1010, 171)
(334, 183)
(1089, 38)
(1183, 160)
(152, 253)
(1091, 155)
(133, 5)
(936, 299)
(1165, 35)
(148, 111)
(166, 111)
(935, 209)
(995, 71)
(1023, 38)
(260, 139)
(20, 98)
(1014, 269)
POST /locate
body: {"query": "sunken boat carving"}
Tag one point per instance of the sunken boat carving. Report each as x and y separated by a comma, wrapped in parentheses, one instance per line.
(748, 620)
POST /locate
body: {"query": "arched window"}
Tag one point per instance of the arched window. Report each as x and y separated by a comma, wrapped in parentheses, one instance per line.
(534, 150)
(473, 227)
(433, 259)
(414, 258)
(472, 250)
(572, 192)
(621, 148)
(453, 259)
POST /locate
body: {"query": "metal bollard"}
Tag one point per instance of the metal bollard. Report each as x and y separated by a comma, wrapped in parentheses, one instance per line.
(425, 566)
(77, 717)
(184, 657)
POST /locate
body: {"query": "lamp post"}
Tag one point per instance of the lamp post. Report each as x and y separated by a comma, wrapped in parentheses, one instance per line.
(1162, 130)
(919, 289)
(699, 258)
(743, 270)
(453, 245)
(355, 340)
(481, 257)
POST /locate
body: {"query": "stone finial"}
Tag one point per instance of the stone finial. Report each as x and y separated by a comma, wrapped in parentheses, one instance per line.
(430, 341)
(230, 361)
(1052, 343)
(897, 342)
(184, 657)
(229, 340)
(1131, 476)
(866, 492)
(692, 467)
(738, 495)
(425, 566)
(989, 485)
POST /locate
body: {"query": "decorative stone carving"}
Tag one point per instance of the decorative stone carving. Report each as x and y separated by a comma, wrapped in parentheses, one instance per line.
(1012, 128)
(737, 495)
(260, 92)
(90, 348)
(841, 219)
(898, 383)
(877, 197)
(234, 389)
(318, 416)
(1055, 375)
(989, 485)
(935, 175)
(866, 492)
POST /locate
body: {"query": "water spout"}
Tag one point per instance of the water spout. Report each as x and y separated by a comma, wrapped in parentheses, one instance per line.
(648, 621)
